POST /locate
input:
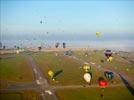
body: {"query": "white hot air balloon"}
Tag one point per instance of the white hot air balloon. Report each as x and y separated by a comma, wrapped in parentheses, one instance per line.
(87, 77)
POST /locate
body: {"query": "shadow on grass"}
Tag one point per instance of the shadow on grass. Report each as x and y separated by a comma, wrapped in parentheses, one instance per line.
(129, 87)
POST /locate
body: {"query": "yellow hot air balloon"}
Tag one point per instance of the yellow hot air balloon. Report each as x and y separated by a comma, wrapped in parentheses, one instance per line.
(98, 34)
(86, 67)
(110, 59)
(51, 73)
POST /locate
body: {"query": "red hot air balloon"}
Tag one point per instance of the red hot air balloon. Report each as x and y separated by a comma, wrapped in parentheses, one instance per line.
(102, 83)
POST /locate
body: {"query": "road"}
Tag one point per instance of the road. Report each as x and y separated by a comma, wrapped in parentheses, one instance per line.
(45, 91)
(53, 88)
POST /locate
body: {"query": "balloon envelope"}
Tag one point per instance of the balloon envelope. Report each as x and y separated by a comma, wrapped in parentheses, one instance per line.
(17, 51)
(86, 67)
(110, 59)
(102, 83)
(109, 75)
(98, 34)
(87, 77)
(51, 73)
(108, 53)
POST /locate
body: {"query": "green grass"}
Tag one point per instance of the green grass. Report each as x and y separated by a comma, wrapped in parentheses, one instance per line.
(15, 68)
(118, 62)
(117, 93)
(12, 96)
(72, 74)
(71, 71)
(19, 95)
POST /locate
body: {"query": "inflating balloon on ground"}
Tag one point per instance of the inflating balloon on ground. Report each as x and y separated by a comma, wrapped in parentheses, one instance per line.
(102, 82)
(87, 77)
(68, 53)
(109, 75)
(86, 67)
(51, 73)
(54, 75)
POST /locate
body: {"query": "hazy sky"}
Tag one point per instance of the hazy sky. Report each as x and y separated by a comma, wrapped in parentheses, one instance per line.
(67, 17)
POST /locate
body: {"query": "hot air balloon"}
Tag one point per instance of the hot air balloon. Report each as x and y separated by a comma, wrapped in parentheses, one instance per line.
(57, 44)
(64, 45)
(86, 67)
(51, 73)
(87, 77)
(110, 59)
(109, 75)
(68, 53)
(98, 34)
(17, 51)
(102, 82)
(108, 53)
(41, 22)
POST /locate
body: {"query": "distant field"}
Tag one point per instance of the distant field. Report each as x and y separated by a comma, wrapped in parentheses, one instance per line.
(117, 93)
(19, 95)
(119, 63)
(14, 68)
(72, 74)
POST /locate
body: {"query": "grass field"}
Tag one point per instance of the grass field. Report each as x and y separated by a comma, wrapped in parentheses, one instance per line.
(14, 68)
(17, 68)
(118, 63)
(19, 95)
(117, 93)
(72, 74)
(49, 61)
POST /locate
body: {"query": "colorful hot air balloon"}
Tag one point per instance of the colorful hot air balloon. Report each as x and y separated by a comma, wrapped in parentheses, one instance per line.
(98, 34)
(109, 75)
(87, 77)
